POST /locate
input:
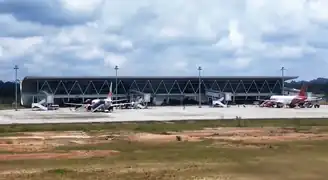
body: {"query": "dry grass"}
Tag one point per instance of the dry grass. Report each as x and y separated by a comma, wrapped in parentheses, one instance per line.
(206, 159)
(158, 127)
(183, 160)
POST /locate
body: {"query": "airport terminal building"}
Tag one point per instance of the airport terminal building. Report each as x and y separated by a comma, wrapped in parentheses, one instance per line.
(244, 89)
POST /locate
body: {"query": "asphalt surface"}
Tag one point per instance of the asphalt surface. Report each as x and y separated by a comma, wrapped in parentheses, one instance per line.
(65, 115)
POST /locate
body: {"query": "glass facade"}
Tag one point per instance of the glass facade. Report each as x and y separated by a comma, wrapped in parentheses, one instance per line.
(84, 87)
(242, 88)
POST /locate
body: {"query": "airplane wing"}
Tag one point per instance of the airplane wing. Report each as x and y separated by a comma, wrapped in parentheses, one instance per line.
(120, 104)
(118, 100)
(263, 100)
(273, 101)
(270, 100)
(313, 99)
(74, 104)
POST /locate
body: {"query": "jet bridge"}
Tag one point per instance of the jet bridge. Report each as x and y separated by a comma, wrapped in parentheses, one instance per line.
(213, 93)
(139, 99)
(46, 103)
(218, 98)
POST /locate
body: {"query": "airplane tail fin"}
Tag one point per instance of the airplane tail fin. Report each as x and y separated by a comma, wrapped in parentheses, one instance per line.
(110, 94)
(303, 91)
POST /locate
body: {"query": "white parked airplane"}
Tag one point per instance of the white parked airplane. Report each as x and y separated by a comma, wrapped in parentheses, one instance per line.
(218, 103)
(291, 101)
(105, 105)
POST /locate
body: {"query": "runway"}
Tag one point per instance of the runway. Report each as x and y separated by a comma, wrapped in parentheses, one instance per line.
(64, 115)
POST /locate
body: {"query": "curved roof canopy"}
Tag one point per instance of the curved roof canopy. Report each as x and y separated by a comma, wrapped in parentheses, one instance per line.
(156, 77)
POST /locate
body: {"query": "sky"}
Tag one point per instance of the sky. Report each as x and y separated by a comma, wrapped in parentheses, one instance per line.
(164, 38)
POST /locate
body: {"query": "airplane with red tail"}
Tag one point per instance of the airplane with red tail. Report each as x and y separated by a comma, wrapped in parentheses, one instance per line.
(291, 101)
(104, 105)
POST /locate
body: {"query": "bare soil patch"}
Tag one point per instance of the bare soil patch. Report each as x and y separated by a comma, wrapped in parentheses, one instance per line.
(31, 146)
(63, 155)
(43, 141)
(148, 137)
(267, 135)
(46, 141)
(248, 135)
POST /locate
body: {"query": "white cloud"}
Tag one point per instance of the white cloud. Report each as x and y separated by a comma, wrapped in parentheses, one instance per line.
(1, 51)
(126, 44)
(153, 37)
(234, 39)
(91, 53)
(19, 47)
(170, 32)
(85, 6)
(181, 65)
(239, 63)
(112, 60)
(318, 10)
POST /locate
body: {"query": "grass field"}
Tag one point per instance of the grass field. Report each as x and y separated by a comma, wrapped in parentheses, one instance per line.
(242, 150)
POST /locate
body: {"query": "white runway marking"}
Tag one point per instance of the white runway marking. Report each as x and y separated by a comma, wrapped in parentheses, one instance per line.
(64, 115)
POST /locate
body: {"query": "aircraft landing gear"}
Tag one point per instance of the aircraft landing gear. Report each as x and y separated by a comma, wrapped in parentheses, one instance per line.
(292, 106)
(302, 105)
(310, 105)
(280, 105)
(111, 109)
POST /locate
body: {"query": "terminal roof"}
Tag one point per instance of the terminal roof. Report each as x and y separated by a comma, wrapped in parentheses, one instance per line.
(156, 77)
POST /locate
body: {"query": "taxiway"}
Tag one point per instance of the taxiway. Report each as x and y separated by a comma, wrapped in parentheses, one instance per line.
(64, 115)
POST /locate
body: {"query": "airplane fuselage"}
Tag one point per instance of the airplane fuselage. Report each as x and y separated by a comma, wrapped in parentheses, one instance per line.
(107, 101)
(289, 100)
(102, 104)
(300, 100)
(283, 99)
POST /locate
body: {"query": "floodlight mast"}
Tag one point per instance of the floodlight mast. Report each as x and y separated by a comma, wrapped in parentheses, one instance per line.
(16, 90)
(199, 87)
(283, 80)
(115, 94)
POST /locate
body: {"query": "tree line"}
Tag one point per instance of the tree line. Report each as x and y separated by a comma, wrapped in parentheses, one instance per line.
(7, 92)
(317, 86)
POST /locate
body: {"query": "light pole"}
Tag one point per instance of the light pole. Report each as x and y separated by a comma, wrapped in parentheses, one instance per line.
(283, 80)
(116, 69)
(199, 88)
(16, 80)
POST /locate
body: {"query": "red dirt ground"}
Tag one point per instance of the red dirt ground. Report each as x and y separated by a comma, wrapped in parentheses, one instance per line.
(249, 135)
(36, 144)
(66, 155)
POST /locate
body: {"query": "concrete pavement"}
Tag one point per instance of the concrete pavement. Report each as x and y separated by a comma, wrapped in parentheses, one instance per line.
(64, 115)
